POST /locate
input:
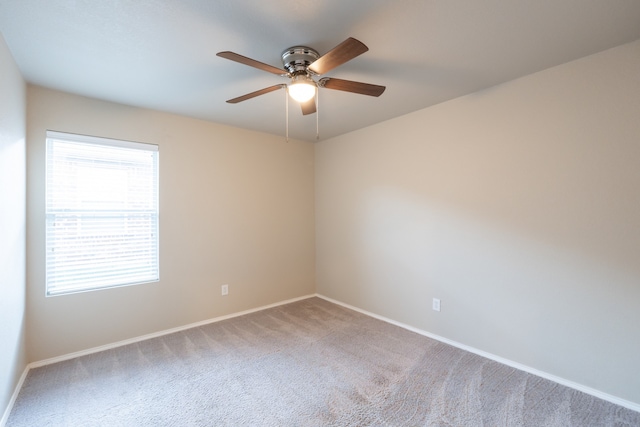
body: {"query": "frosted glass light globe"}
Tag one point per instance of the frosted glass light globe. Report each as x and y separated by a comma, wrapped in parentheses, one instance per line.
(302, 88)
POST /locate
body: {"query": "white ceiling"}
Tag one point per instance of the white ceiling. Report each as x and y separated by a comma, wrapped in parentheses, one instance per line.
(161, 54)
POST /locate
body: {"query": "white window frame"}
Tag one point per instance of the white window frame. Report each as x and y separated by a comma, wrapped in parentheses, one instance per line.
(102, 213)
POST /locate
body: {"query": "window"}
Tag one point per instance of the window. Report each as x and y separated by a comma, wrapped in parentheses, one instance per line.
(101, 213)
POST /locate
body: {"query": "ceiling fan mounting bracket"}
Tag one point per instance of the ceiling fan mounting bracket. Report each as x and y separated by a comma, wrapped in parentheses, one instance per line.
(296, 59)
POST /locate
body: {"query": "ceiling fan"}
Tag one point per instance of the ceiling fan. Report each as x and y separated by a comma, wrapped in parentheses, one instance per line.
(303, 65)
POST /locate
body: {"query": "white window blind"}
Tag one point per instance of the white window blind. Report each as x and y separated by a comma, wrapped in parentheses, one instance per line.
(101, 213)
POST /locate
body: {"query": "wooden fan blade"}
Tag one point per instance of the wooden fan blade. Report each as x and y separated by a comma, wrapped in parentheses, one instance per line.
(309, 107)
(251, 62)
(350, 86)
(345, 51)
(256, 93)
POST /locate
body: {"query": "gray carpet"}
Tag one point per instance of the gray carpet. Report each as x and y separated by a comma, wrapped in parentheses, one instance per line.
(309, 363)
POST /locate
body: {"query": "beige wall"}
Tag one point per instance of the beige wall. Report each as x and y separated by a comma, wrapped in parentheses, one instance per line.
(236, 207)
(12, 225)
(517, 206)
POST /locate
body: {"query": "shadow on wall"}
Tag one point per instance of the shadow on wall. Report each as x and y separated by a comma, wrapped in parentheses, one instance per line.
(516, 206)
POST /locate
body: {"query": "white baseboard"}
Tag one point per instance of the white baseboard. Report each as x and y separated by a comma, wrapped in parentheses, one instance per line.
(159, 334)
(14, 396)
(593, 392)
(64, 357)
(588, 390)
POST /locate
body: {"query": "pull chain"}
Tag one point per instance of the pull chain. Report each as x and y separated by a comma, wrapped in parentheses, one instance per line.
(286, 109)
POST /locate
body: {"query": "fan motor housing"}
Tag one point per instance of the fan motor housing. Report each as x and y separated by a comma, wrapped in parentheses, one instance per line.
(297, 58)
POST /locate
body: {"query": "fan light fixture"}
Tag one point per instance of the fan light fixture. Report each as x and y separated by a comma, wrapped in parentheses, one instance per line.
(302, 88)
(303, 65)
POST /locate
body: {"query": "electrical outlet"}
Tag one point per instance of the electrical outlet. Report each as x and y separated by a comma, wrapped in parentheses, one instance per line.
(225, 289)
(436, 304)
